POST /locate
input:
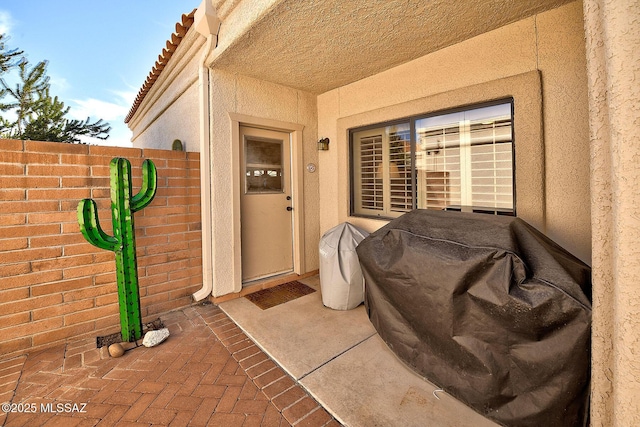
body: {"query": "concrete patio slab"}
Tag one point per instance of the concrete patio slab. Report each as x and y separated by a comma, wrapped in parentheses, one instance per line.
(369, 386)
(339, 358)
(301, 335)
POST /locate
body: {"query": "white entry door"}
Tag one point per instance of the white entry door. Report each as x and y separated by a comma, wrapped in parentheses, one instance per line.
(266, 206)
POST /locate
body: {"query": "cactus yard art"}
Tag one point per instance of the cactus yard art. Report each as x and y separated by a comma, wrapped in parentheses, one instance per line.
(123, 241)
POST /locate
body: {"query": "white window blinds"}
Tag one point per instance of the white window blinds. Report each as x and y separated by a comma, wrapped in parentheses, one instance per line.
(464, 160)
(370, 159)
(382, 170)
(400, 189)
(491, 164)
(460, 161)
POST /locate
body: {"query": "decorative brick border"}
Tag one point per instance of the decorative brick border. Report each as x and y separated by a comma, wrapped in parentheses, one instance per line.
(284, 392)
(10, 371)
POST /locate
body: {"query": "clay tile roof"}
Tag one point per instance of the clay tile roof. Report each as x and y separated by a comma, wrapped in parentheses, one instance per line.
(171, 46)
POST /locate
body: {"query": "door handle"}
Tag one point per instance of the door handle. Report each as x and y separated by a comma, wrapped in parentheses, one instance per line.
(289, 208)
(288, 197)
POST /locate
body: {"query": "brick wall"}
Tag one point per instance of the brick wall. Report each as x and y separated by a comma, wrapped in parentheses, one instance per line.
(54, 285)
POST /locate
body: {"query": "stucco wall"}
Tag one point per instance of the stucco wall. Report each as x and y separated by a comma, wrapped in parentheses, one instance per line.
(613, 46)
(550, 43)
(562, 61)
(170, 110)
(237, 17)
(266, 102)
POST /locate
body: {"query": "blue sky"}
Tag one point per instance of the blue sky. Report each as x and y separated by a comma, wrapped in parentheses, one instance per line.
(99, 52)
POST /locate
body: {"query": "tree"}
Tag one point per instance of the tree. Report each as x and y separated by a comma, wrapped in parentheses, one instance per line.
(38, 115)
(27, 95)
(49, 124)
(8, 58)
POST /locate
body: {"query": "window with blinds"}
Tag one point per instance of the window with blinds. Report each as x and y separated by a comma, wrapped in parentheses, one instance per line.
(382, 170)
(460, 160)
(370, 180)
(464, 160)
(400, 188)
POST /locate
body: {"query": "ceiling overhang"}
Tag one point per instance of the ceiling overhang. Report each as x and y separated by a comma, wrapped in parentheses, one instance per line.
(321, 45)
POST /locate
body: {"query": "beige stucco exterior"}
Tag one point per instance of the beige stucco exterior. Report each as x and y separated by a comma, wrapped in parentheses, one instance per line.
(170, 110)
(571, 68)
(485, 68)
(612, 31)
(236, 100)
(318, 46)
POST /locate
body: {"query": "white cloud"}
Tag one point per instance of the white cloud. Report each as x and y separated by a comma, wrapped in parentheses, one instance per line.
(59, 85)
(127, 96)
(111, 112)
(6, 22)
(97, 109)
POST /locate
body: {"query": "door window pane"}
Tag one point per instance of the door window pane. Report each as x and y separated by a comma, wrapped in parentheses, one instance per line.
(263, 166)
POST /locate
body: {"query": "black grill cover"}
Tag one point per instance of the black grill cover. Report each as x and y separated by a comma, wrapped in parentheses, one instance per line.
(488, 309)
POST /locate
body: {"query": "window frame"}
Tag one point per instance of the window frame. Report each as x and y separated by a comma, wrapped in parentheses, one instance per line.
(411, 121)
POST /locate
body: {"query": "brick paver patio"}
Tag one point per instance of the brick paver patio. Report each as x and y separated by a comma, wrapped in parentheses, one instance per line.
(207, 373)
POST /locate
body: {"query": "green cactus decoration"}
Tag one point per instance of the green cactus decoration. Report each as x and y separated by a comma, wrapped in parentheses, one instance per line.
(177, 145)
(123, 241)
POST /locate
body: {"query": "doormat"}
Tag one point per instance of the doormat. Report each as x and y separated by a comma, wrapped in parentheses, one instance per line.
(277, 295)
